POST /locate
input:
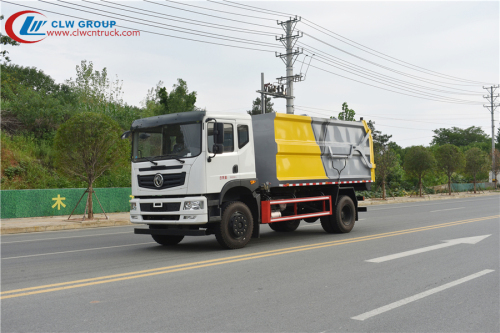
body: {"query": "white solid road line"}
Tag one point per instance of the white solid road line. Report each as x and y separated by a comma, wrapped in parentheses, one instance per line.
(442, 210)
(43, 239)
(95, 248)
(431, 204)
(416, 297)
(447, 243)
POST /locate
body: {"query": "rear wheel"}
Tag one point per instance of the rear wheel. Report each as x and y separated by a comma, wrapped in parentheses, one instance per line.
(343, 218)
(236, 226)
(285, 226)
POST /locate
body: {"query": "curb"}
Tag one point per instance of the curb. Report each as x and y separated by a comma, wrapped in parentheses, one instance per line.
(391, 200)
(50, 226)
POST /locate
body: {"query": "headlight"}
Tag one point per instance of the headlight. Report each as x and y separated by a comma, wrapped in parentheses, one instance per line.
(133, 206)
(193, 205)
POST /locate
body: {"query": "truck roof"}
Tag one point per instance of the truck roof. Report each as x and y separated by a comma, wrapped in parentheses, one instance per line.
(184, 117)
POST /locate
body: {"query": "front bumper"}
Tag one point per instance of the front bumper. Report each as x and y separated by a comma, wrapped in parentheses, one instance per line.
(168, 211)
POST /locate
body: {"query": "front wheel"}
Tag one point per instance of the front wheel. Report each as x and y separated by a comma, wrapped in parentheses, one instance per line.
(167, 240)
(343, 218)
(236, 226)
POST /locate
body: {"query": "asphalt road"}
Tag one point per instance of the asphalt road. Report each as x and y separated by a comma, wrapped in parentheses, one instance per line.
(110, 280)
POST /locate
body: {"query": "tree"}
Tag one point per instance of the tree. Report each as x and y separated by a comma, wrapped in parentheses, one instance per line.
(380, 140)
(476, 162)
(497, 166)
(33, 102)
(87, 145)
(179, 99)
(459, 137)
(96, 92)
(6, 40)
(257, 107)
(386, 160)
(497, 139)
(159, 101)
(449, 159)
(346, 114)
(418, 161)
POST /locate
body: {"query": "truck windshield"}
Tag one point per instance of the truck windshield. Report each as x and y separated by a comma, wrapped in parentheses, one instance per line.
(166, 142)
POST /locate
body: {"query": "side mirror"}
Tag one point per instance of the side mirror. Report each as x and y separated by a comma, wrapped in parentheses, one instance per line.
(219, 134)
(218, 149)
(144, 136)
(126, 135)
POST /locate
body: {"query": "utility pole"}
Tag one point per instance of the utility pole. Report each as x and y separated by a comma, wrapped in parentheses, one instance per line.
(289, 58)
(262, 96)
(288, 40)
(492, 98)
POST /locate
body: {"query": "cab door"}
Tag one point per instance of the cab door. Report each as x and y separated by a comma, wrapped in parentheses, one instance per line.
(222, 168)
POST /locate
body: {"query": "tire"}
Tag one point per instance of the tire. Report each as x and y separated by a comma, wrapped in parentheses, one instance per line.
(167, 240)
(285, 226)
(236, 226)
(343, 218)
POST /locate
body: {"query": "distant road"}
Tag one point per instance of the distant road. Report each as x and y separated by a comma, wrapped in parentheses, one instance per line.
(404, 267)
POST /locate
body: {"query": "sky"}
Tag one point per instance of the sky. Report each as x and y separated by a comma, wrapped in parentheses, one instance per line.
(454, 44)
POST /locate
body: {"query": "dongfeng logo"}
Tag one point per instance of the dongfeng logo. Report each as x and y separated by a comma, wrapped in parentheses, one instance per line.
(26, 26)
(158, 180)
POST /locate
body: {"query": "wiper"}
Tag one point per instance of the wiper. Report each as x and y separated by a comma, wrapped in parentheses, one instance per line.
(150, 159)
(175, 158)
(171, 156)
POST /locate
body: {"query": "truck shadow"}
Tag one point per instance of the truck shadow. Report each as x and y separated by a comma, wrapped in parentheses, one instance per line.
(306, 234)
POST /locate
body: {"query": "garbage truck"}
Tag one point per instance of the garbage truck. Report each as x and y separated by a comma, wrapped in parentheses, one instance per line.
(227, 174)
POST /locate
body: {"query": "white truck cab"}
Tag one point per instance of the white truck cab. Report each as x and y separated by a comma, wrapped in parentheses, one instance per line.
(176, 176)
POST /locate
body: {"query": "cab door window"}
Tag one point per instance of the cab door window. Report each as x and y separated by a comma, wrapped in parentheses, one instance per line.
(243, 138)
(228, 137)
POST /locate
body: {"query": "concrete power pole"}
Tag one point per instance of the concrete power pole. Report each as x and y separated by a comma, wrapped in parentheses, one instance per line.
(262, 95)
(277, 91)
(492, 98)
(289, 58)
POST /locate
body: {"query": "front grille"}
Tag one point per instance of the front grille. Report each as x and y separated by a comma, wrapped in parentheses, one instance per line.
(166, 207)
(161, 217)
(169, 180)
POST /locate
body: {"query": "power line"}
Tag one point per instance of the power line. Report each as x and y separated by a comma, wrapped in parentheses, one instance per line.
(381, 66)
(304, 108)
(142, 30)
(397, 61)
(338, 111)
(418, 129)
(385, 77)
(419, 92)
(253, 10)
(328, 56)
(273, 11)
(220, 11)
(220, 17)
(228, 38)
(404, 62)
(371, 85)
(377, 116)
(178, 19)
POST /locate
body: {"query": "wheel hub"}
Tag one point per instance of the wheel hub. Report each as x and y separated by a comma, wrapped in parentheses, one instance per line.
(239, 224)
(346, 215)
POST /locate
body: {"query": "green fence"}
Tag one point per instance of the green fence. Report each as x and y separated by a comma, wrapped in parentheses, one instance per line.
(462, 187)
(30, 203)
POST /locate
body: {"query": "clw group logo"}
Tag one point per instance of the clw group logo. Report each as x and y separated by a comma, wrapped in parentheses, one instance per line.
(26, 27)
(29, 26)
